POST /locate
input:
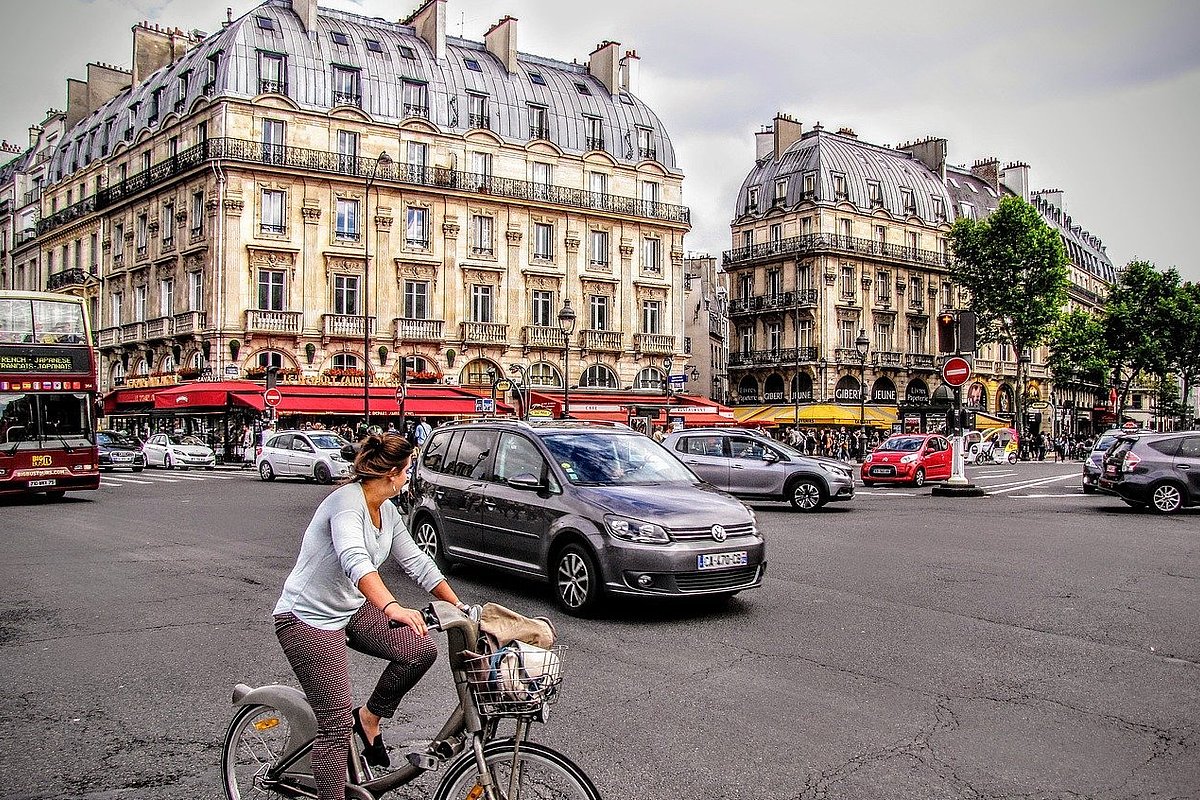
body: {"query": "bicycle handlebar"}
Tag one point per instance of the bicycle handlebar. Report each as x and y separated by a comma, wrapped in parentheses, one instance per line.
(440, 615)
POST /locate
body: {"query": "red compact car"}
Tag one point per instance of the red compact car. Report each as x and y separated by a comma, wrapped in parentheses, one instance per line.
(909, 458)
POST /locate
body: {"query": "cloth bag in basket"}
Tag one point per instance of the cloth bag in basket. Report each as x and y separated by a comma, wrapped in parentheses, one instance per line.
(516, 661)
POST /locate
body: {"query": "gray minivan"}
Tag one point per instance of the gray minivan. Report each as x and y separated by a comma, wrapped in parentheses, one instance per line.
(749, 465)
(593, 509)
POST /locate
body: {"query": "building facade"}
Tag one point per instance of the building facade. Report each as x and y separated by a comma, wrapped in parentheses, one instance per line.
(328, 193)
(840, 266)
(706, 326)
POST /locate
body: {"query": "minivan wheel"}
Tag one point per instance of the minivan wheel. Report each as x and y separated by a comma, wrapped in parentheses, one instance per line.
(805, 495)
(429, 540)
(322, 474)
(1166, 498)
(576, 580)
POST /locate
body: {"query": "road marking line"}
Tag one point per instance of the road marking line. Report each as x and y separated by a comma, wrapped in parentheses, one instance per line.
(1030, 481)
(1039, 496)
(1031, 484)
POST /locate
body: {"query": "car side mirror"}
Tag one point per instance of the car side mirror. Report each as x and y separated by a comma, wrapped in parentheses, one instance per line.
(527, 481)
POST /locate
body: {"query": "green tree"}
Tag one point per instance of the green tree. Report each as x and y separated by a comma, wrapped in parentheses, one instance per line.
(1078, 354)
(1185, 344)
(1138, 318)
(1014, 267)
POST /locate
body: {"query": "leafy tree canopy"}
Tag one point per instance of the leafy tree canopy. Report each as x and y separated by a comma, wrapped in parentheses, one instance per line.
(1015, 268)
(1138, 318)
(1077, 350)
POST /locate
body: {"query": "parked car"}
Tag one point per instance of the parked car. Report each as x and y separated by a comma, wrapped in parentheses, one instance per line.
(752, 466)
(912, 458)
(1159, 470)
(592, 509)
(172, 450)
(1093, 462)
(119, 450)
(312, 455)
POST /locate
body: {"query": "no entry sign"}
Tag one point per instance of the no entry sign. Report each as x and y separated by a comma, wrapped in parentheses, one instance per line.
(272, 397)
(956, 371)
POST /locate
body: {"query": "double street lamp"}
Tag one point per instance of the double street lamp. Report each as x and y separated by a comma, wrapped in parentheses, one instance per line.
(566, 324)
(383, 159)
(861, 345)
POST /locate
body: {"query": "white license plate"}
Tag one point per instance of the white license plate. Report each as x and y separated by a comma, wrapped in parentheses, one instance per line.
(722, 560)
(47, 482)
(122, 457)
(882, 471)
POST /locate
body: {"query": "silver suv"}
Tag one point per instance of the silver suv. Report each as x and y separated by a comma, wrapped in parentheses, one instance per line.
(592, 509)
(749, 465)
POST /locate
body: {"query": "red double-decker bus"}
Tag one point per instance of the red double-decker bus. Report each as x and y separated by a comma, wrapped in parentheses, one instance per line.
(47, 395)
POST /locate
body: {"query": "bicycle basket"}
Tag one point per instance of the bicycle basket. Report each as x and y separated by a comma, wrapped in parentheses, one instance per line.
(518, 680)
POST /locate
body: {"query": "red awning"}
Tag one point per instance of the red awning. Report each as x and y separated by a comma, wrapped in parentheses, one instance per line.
(201, 394)
(129, 400)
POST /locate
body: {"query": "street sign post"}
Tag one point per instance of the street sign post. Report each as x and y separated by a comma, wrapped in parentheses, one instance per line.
(272, 397)
(956, 371)
(484, 405)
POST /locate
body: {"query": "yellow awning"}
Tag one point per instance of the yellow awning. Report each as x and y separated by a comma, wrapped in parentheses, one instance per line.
(818, 414)
(759, 414)
(984, 421)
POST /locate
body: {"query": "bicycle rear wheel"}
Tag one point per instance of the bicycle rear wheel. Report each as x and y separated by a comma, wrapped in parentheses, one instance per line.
(254, 742)
(541, 774)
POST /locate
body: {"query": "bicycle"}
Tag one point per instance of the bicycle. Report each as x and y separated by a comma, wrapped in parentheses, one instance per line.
(266, 748)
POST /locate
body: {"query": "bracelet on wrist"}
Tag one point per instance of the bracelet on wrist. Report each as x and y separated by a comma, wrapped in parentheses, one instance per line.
(391, 602)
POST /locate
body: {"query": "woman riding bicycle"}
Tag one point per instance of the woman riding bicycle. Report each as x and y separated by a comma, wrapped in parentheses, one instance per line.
(334, 597)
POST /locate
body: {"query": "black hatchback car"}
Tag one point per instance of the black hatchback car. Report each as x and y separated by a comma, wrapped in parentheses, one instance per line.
(592, 509)
(1159, 470)
(119, 450)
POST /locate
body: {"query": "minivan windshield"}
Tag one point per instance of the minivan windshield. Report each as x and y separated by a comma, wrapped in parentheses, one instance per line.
(605, 459)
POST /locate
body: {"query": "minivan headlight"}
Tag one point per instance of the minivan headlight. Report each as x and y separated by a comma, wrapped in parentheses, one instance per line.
(632, 530)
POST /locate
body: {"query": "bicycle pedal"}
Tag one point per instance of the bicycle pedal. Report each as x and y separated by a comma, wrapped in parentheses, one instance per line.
(425, 761)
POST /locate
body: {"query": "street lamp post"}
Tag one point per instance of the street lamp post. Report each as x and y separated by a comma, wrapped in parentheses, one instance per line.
(522, 374)
(862, 344)
(383, 159)
(566, 324)
(1023, 361)
(667, 364)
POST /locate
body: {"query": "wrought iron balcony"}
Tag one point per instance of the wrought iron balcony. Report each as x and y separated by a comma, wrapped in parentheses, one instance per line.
(68, 277)
(347, 99)
(647, 153)
(828, 242)
(416, 110)
(251, 152)
(479, 121)
(484, 333)
(539, 133)
(547, 336)
(654, 343)
(23, 236)
(344, 326)
(604, 341)
(272, 87)
(418, 330)
(189, 323)
(800, 298)
(595, 142)
(285, 322)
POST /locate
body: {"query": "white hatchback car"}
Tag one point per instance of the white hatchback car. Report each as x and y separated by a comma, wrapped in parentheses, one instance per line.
(174, 451)
(312, 455)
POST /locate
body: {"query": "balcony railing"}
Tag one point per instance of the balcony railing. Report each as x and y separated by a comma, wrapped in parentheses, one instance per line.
(416, 110)
(346, 326)
(479, 121)
(595, 142)
(847, 355)
(68, 277)
(484, 332)
(286, 322)
(800, 298)
(347, 99)
(160, 328)
(23, 236)
(920, 361)
(189, 323)
(647, 153)
(781, 357)
(543, 336)
(654, 343)
(32, 196)
(829, 242)
(272, 87)
(483, 252)
(108, 337)
(604, 341)
(250, 152)
(418, 330)
(133, 332)
(887, 358)
(539, 133)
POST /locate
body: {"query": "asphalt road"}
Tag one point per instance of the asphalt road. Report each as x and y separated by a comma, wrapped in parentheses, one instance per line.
(1035, 643)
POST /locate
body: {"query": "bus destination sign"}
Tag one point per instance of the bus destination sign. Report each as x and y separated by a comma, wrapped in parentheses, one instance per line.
(45, 360)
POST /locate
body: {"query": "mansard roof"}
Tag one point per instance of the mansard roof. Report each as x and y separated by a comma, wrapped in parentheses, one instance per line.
(569, 92)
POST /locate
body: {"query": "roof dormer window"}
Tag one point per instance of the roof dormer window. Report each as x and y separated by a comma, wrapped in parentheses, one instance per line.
(265, 23)
(373, 45)
(472, 65)
(339, 38)
(407, 52)
(839, 186)
(875, 193)
(537, 79)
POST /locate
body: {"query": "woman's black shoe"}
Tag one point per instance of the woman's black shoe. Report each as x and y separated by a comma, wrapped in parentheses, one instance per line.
(375, 753)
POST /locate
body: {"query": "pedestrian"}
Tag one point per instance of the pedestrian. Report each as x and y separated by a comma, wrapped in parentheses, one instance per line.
(247, 446)
(335, 597)
(658, 434)
(421, 431)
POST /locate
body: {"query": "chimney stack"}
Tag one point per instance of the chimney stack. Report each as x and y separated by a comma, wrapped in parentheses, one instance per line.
(764, 143)
(103, 83)
(630, 69)
(429, 21)
(988, 170)
(501, 41)
(155, 48)
(603, 65)
(1015, 177)
(1053, 197)
(787, 132)
(848, 132)
(34, 132)
(931, 152)
(306, 10)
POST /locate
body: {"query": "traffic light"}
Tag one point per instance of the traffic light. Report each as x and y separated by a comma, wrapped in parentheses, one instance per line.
(272, 377)
(966, 331)
(947, 341)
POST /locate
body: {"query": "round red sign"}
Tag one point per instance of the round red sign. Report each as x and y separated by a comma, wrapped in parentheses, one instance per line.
(956, 371)
(272, 397)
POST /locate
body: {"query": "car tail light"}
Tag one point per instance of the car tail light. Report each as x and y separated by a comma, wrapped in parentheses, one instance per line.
(1130, 462)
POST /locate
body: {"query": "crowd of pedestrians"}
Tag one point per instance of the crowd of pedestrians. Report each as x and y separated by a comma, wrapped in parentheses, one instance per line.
(840, 443)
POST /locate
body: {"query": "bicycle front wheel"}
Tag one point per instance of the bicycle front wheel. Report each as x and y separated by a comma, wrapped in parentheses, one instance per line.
(540, 774)
(254, 742)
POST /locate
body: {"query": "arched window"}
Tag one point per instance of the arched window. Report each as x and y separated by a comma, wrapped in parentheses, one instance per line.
(118, 373)
(345, 361)
(598, 376)
(773, 388)
(270, 358)
(168, 364)
(883, 391)
(802, 388)
(545, 374)
(649, 378)
(848, 390)
(197, 360)
(748, 390)
(142, 369)
(1004, 399)
(475, 373)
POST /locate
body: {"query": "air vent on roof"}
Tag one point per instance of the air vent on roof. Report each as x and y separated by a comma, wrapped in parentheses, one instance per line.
(407, 52)
(266, 23)
(536, 77)
(339, 38)
(373, 45)
(472, 65)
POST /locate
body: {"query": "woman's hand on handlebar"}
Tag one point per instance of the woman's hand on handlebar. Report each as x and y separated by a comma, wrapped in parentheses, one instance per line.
(399, 615)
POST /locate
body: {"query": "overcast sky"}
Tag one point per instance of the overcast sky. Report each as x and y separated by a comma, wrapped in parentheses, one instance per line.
(1101, 98)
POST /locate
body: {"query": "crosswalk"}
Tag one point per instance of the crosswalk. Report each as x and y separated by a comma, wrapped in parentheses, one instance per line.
(1002, 483)
(149, 478)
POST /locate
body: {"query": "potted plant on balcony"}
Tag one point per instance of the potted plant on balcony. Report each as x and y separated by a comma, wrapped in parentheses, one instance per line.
(342, 374)
(256, 373)
(188, 373)
(424, 376)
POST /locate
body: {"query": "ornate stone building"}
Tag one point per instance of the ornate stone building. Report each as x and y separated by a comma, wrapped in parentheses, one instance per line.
(307, 181)
(839, 243)
(706, 327)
